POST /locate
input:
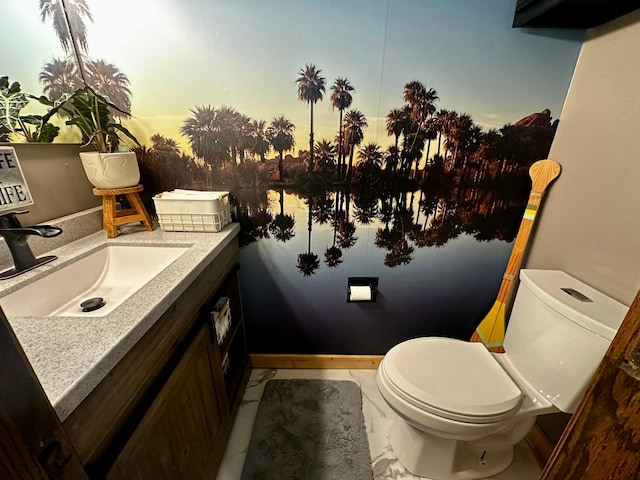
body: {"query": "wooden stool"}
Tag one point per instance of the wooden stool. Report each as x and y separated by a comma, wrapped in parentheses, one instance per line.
(111, 217)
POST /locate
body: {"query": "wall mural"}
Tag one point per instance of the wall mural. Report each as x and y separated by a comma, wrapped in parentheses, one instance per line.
(379, 138)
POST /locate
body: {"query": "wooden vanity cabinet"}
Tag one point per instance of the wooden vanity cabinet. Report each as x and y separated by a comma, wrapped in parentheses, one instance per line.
(165, 410)
(182, 434)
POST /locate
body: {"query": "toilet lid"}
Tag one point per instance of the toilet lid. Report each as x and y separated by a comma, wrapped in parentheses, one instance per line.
(452, 376)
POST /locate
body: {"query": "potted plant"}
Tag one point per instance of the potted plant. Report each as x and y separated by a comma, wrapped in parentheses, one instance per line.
(93, 113)
(34, 128)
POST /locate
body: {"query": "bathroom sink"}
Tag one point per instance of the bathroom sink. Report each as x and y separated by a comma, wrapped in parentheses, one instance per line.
(112, 273)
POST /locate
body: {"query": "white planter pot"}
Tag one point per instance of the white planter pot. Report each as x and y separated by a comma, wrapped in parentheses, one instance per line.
(111, 170)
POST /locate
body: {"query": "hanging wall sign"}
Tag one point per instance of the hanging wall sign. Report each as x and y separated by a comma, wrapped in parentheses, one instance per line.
(14, 191)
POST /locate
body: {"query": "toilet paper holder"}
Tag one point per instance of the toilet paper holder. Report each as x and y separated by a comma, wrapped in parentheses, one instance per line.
(371, 282)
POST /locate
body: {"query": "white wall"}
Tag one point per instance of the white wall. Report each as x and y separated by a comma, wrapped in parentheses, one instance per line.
(589, 225)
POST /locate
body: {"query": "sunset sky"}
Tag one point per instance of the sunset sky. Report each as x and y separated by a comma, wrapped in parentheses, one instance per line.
(246, 54)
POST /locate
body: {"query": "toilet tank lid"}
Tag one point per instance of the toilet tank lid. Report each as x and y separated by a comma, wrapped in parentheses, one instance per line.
(575, 300)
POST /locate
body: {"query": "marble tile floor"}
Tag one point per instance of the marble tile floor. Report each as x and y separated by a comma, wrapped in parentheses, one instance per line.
(378, 418)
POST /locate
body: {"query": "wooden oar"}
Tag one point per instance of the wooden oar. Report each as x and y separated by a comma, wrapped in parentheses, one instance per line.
(492, 328)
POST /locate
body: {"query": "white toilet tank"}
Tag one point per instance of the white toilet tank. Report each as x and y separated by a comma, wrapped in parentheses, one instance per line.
(558, 332)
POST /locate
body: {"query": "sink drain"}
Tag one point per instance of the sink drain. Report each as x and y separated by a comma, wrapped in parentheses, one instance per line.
(92, 304)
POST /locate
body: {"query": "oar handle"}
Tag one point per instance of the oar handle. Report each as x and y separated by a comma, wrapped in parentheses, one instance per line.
(542, 173)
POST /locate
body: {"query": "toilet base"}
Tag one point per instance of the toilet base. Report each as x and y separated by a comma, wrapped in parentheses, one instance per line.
(437, 458)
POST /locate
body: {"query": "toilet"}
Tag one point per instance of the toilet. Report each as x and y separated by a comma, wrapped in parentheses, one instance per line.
(461, 408)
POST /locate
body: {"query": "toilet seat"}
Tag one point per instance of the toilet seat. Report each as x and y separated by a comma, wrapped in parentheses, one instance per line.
(451, 378)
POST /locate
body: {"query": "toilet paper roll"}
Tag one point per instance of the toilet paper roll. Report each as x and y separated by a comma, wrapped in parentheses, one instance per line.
(360, 293)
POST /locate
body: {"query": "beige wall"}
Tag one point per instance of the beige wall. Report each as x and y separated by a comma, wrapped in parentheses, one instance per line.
(590, 222)
(56, 180)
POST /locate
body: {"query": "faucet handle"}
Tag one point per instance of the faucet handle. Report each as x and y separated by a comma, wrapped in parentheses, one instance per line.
(46, 231)
(14, 213)
(9, 219)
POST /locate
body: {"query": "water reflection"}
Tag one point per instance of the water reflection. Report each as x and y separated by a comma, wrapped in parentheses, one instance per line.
(397, 222)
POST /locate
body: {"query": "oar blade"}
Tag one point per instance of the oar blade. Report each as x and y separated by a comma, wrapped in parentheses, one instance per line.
(491, 330)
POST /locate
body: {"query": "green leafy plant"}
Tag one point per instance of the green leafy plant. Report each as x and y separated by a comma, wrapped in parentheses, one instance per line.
(34, 128)
(93, 113)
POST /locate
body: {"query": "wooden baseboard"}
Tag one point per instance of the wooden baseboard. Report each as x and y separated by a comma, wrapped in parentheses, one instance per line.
(259, 360)
(541, 445)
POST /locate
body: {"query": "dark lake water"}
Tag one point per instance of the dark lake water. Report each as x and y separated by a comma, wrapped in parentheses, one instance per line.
(435, 276)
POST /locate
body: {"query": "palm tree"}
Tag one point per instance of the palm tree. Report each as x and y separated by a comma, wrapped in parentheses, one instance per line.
(514, 147)
(310, 90)
(439, 120)
(368, 169)
(488, 153)
(107, 79)
(280, 136)
(164, 167)
(448, 129)
(325, 152)
(201, 130)
(391, 161)
(243, 135)
(397, 122)
(258, 143)
(341, 99)
(75, 11)
(421, 102)
(229, 124)
(459, 129)
(471, 143)
(430, 134)
(371, 155)
(59, 77)
(354, 121)
(160, 144)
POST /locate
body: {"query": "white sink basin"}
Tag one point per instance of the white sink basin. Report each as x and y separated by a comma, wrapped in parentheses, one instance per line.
(114, 272)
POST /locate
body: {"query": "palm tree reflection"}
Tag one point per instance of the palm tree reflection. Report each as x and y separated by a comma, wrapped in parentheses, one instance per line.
(261, 224)
(346, 229)
(254, 216)
(447, 206)
(322, 209)
(393, 239)
(282, 227)
(333, 256)
(400, 254)
(365, 208)
(308, 262)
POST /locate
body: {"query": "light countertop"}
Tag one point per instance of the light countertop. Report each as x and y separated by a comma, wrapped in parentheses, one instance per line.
(71, 355)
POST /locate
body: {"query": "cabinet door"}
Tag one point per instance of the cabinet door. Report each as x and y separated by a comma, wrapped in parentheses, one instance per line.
(33, 444)
(178, 436)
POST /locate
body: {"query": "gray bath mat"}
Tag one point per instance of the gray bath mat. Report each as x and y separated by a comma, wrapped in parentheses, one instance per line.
(309, 430)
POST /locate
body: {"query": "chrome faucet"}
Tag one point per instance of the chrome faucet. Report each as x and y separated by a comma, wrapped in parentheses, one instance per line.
(15, 236)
